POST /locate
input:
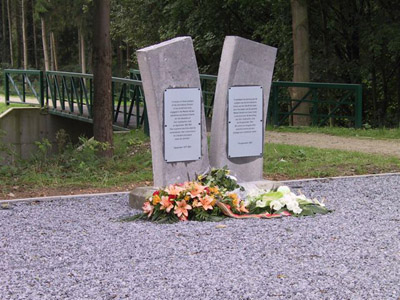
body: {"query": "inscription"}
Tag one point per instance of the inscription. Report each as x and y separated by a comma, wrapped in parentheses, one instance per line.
(182, 114)
(245, 117)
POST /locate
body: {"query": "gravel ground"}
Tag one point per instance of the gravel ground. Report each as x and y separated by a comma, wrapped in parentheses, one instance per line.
(76, 249)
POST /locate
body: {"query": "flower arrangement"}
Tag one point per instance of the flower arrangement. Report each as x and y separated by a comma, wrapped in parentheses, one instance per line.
(283, 200)
(217, 195)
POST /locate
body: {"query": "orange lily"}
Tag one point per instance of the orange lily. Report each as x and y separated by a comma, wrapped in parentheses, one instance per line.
(196, 189)
(166, 204)
(213, 190)
(182, 208)
(206, 202)
(174, 189)
(148, 208)
(156, 199)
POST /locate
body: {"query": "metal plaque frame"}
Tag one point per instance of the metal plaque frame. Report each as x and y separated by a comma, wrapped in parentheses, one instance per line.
(182, 124)
(245, 128)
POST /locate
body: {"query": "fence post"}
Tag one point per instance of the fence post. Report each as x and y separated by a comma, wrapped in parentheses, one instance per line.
(41, 88)
(358, 107)
(6, 88)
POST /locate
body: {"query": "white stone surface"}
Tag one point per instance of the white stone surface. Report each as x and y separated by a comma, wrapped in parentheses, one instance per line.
(170, 64)
(243, 62)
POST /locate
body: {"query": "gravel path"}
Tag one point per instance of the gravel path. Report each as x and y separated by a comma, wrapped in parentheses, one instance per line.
(75, 249)
(325, 141)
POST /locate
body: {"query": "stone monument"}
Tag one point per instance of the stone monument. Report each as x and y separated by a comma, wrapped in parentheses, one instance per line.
(240, 107)
(171, 85)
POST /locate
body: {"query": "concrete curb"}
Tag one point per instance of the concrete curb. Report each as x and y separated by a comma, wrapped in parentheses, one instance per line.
(63, 197)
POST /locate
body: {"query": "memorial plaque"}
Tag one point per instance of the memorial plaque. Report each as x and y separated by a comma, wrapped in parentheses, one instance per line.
(182, 124)
(245, 121)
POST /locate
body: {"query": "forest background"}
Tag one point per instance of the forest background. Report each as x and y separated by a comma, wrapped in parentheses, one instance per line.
(352, 41)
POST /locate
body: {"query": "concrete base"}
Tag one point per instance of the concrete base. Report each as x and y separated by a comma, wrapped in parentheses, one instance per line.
(139, 195)
(23, 126)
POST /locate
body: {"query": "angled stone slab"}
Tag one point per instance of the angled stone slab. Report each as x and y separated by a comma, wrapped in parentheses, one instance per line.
(243, 63)
(165, 66)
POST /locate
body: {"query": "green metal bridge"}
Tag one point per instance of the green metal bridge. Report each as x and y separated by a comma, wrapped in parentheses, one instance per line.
(71, 95)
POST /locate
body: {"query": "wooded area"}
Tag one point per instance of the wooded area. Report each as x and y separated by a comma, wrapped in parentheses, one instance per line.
(354, 41)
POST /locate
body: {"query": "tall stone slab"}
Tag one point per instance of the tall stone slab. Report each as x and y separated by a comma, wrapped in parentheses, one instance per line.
(165, 66)
(243, 63)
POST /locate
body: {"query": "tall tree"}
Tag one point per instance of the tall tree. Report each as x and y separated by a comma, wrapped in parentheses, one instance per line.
(102, 109)
(35, 51)
(17, 28)
(82, 50)
(10, 33)
(24, 37)
(42, 8)
(4, 31)
(301, 55)
(44, 43)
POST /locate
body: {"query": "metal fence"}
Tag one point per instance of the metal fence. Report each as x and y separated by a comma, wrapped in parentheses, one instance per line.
(71, 95)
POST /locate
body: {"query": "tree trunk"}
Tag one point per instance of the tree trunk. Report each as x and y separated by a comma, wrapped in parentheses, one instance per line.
(4, 31)
(35, 52)
(54, 51)
(51, 53)
(82, 52)
(24, 38)
(120, 58)
(44, 42)
(18, 26)
(10, 33)
(301, 54)
(102, 109)
(128, 57)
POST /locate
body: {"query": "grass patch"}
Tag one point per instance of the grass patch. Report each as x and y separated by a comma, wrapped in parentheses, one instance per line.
(77, 168)
(296, 162)
(378, 133)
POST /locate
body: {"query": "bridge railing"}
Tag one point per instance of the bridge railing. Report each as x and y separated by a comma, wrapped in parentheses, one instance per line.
(330, 103)
(26, 84)
(71, 94)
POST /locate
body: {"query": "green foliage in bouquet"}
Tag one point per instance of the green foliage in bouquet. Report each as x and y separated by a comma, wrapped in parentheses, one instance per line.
(220, 178)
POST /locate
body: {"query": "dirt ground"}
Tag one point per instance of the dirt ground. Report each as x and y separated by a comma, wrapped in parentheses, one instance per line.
(365, 145)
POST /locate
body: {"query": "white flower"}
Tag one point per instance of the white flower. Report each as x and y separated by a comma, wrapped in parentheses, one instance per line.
(292, 205)
(297, 210)
(283, 189)
(286, 199)
(254, 192)
(276, 205)
(261, 203)
(231, 177)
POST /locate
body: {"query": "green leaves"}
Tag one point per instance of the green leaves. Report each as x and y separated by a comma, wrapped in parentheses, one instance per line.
(220, 178)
